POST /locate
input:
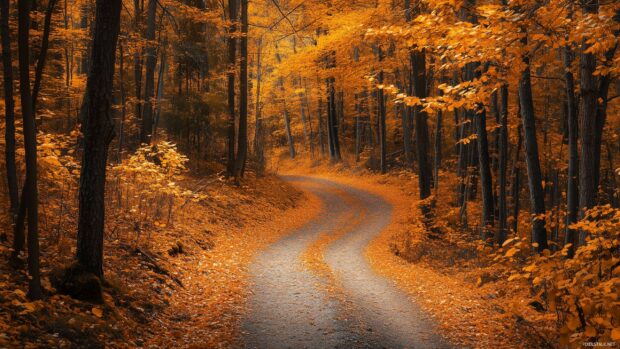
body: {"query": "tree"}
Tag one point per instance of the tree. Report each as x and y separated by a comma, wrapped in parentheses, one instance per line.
(537, 196)
(572, 194)
(31, 196)
(146, 131)
(232, 61)
(381, 117)
(9, 109)
(503, 166)
(98, 129)
(418, 67)
(242, 146)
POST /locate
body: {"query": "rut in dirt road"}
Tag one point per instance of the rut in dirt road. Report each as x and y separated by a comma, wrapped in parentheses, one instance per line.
(291, 307)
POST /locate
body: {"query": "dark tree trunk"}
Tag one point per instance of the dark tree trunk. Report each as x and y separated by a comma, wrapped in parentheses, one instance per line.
(146, 130)
(572, 194)
(38, 76)
(31, 197)
(408, 114)
(232, 62)
(516, 179)
(287, 120)
(287, 129)
(242, 146)
(485, 171)
(332, 115)
(330, 122)
(160, 91)
(306, 106)
(587, 163)
(138, 60)
(304, 120)
(602, 100)
(463, 157)
(9, 109)
(258, 131)
(358, 134)
(98, 129)
(335, 124)
(382, 125)
(503, 165)
(418, 66)
(537, 195)
(321, 126)
(121, 82)
(438, 134)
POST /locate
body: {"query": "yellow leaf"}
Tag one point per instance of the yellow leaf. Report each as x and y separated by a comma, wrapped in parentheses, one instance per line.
(20, 293)
(507, 242)
(513, 251)
(30, 307)
(590, 331)
(97, 312)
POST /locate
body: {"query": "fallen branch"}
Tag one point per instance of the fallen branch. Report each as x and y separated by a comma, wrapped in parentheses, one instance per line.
(156, 267)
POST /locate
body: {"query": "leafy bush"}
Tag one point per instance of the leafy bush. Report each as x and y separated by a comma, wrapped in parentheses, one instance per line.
(583, 290)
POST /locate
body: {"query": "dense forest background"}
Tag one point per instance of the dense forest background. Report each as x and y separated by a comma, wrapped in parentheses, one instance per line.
(505, 113)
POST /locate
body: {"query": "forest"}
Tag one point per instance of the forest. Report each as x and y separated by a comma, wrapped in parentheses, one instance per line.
(310, 174)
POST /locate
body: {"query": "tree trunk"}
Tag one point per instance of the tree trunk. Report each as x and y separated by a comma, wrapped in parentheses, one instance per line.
(503, 165)
(160, 89)
(306, 106)
(418, 66)
(98, 129)
(31, 197)
(332, 117)
(232, 62)
(287, 120)
(321, 127)
(9, 109)
(485, 172)
(358, 127)
(121, 81)
(516, 176)
(242, 146)
(146, 130)
(258, 131)
(382, 125)
(408, 114)
(38, 76)
(138, 60)
(572, 193)
(289, 135)
(438, 133)
(605, 80)
(537, 198)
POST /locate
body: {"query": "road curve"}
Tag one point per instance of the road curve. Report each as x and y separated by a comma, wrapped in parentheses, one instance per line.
(289, 305)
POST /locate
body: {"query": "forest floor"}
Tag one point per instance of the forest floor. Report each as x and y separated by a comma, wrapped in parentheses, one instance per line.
(342, 244)
(177, 285)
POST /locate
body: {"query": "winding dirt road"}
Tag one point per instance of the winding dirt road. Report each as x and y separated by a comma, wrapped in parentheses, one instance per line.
(293, 307)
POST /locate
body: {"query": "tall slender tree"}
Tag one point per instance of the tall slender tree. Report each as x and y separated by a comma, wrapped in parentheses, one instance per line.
(98, 129)
(572, 193)
(232, 62)
(31, 195)
(242, 146)
(146, 130)
(503, 166)
(418, 67)
(9, 109)
(537, 195)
